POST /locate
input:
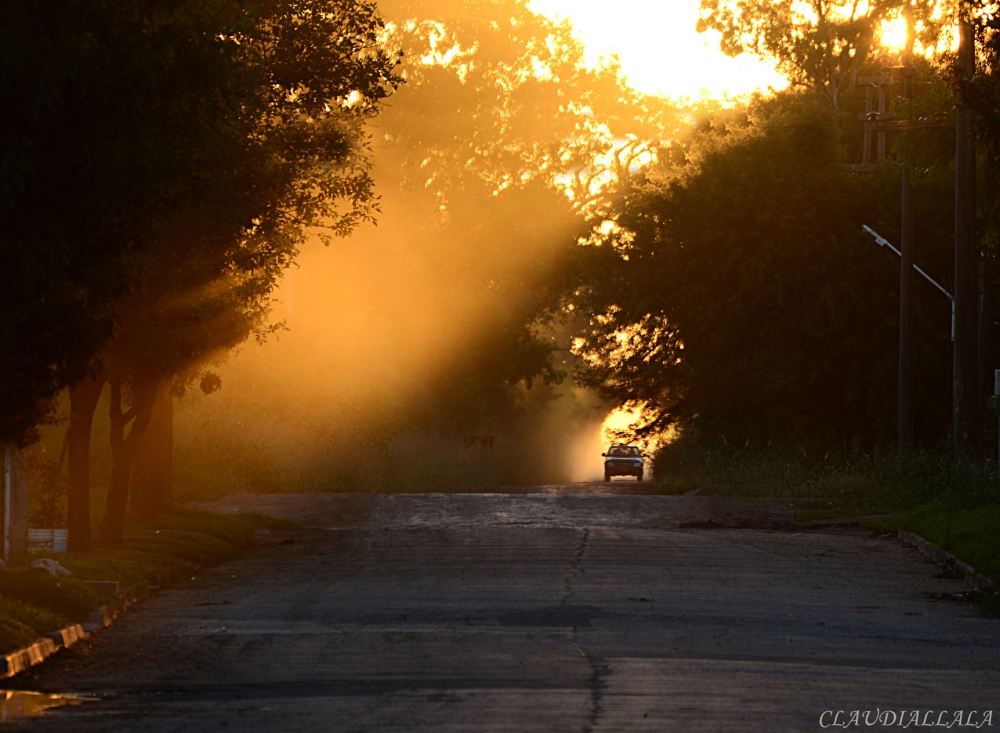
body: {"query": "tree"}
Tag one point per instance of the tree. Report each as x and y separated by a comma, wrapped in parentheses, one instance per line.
(820, 45)
(116, 102)
(293, 161)
(83, 395)
(735, 290)
(151, 483)
(975, 75)
(488, 162)
(982, 95)
(497, 151)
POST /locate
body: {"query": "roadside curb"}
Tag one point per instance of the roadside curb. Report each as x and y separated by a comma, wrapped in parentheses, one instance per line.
(845, 521)
(976, 580)
(105, 615)
(20, 660)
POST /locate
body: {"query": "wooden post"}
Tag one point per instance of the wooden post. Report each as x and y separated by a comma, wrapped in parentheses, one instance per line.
(4, 477)
(905, 394)
(965, 378)
(905, 417)
(876, 113)
(15, 503)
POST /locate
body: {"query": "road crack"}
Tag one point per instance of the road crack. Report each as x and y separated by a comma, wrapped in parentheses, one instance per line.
(599, 671)
(599, 667)
(576, 570)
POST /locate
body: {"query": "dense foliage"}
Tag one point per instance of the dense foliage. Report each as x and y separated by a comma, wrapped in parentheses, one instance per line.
(732, 292)
(819, 45)
(111, 107)
(499, 116)
(158, 128)
(735, 290)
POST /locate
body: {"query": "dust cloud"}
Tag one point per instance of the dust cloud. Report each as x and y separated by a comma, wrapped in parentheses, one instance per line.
(413, 356)
(583, 457)
(372, 386)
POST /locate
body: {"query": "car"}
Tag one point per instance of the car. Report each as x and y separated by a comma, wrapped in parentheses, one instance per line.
(623, 460)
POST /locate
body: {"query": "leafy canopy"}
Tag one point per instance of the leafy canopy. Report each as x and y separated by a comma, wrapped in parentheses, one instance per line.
(820, 45)
(734, 290)
(141, 122)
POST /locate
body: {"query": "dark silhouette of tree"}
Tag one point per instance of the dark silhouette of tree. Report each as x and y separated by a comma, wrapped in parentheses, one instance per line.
(982, 94)
(293, 161)
(110, 107)
(735, 290)
(118, 106)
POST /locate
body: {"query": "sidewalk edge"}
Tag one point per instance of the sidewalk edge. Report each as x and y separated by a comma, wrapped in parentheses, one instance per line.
(928, 548)
(22, 659)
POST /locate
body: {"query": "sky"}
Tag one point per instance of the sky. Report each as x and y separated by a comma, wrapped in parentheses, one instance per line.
(660, 51)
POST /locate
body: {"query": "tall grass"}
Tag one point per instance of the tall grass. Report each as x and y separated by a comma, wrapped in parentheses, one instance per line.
(866, 484)
(414, 463)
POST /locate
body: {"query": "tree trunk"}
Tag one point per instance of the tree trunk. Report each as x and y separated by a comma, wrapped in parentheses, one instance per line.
(152, 473)
(83, 398)
(123, 450)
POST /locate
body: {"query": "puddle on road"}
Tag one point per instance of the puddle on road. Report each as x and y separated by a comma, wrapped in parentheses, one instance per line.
(17, 704)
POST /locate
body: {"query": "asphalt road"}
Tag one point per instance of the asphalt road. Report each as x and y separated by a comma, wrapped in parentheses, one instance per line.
(534, 612)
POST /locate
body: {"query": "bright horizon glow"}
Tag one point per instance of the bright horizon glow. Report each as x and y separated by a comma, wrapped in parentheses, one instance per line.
(892, 34)
(892, 37)
(660, 51)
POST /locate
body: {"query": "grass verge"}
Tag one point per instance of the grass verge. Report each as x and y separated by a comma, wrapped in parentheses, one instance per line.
(855, 485)
(34, 603)
(955, 506)
(968, 534)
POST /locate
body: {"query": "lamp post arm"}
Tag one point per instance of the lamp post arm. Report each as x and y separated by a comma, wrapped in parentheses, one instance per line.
(883, 242)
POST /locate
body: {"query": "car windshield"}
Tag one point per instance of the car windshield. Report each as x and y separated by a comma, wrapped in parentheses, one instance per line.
(623, 451)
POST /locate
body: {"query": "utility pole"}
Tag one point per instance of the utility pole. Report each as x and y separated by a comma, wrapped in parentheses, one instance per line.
(15, 502)
(875, 116)
(965, 374)
(905, 396)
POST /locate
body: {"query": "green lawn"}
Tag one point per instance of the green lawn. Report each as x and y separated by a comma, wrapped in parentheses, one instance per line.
(33, 603)
(972, 535)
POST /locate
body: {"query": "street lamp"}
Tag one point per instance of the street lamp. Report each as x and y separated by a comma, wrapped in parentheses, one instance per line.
(883, 242)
